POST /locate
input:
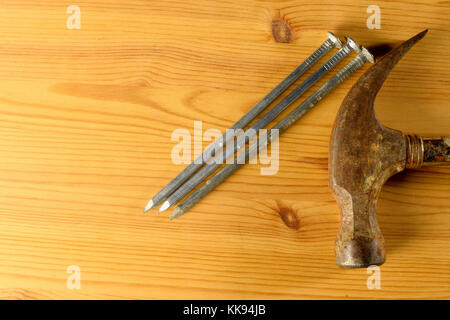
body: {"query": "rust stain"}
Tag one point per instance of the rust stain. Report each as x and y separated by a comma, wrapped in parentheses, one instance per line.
(281, 31)
(288, 215)
(436, 149)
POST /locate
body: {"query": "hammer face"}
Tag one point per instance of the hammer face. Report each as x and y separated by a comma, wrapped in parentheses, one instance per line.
(360, 253)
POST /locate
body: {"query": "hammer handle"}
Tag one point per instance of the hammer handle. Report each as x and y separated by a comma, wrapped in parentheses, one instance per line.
(436, 150)
(424, 151)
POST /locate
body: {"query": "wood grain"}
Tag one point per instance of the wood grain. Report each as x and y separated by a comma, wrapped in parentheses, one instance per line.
(86, 118)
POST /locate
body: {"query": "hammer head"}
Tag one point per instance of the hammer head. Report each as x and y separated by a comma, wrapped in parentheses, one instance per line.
(363, 155)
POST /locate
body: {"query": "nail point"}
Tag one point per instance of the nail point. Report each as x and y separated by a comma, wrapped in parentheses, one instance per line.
(164, 206)
(148, 206)
(176, 213)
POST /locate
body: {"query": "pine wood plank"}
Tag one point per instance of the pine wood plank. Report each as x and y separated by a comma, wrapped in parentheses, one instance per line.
(86, 118)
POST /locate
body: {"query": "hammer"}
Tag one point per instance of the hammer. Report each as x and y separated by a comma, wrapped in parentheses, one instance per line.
(363, 154)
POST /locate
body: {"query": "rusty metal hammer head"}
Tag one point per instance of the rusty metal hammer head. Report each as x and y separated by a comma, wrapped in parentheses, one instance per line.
(363, 155)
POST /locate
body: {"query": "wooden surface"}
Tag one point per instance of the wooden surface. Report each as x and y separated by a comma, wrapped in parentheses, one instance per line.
(86, 118)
